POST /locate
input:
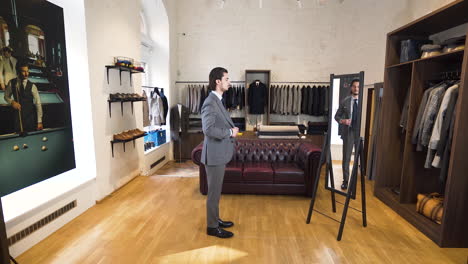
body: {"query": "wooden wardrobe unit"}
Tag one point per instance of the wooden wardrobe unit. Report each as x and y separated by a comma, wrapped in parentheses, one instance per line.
(399, 166)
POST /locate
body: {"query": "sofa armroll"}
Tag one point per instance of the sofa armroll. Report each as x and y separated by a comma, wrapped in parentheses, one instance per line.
(196, 154)
(308, 159)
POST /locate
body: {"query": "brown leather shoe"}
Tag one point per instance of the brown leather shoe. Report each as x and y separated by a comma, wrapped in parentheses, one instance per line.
(119, 137)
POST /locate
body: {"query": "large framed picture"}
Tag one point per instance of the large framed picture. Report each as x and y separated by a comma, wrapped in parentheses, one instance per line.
(36, 140)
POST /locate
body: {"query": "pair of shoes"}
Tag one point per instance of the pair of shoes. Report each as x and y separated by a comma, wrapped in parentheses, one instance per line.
(125, 97)
(129, 134)
(225, 224)
(344, 186)
(149, 145)
(218, 232)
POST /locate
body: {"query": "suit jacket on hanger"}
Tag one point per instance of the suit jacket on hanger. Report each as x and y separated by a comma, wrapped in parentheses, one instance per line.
(315, 108)
(257, 98)
(165, 105)
(304, 100)
(179, 121)
(310, 101)
(146, 119)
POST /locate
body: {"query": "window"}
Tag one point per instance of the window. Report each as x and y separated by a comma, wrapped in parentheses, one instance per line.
(4, 34)
(36, 41)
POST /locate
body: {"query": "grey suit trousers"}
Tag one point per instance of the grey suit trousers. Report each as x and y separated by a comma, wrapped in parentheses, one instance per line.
(215, 177)
(349, 141)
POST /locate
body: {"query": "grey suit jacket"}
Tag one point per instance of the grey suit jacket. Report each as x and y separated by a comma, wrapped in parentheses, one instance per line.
(419, 116)
(343, 112)
(218, 146)
(298, 100)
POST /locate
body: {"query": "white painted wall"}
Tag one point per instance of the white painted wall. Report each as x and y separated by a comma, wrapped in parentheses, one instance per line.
(156, 54)
(113, 29)
(296, 44)
(421, 8)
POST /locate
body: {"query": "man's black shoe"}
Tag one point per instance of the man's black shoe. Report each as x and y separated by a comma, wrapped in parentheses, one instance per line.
(218, 232)
(344, 186)
(225, 224)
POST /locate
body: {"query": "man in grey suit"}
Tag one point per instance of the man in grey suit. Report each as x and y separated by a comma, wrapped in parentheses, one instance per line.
(347, 117)
(218, 148)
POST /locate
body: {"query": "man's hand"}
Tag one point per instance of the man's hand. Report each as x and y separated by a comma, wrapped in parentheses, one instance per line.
(235, 130)
(346, 122)
(2, 86)
(39, 126)
(16, 105)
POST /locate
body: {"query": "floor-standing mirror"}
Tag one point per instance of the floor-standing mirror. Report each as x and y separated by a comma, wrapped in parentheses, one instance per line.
(344, 128)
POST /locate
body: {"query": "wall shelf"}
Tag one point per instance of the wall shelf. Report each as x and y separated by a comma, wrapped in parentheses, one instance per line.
(121, 104)
(122, 69)
(115, 141)
(444, 57)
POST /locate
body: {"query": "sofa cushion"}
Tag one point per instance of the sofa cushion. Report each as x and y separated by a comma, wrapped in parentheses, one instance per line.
(287, 172)
(233, 172)
(259, 171)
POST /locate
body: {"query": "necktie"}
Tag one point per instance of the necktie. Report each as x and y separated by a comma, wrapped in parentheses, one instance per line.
(354, 114)
(222, 101)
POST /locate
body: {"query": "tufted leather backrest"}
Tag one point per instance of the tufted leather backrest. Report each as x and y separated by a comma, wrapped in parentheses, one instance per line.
(266, 150)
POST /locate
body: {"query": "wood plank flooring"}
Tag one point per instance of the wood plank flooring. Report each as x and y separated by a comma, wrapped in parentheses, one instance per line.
(161, 219)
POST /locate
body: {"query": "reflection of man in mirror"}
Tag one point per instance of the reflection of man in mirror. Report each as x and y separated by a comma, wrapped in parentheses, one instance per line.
(347, 117)
(7, 67)
(23, 96)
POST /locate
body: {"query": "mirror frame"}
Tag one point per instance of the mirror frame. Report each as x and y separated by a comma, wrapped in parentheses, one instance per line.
(331, 119)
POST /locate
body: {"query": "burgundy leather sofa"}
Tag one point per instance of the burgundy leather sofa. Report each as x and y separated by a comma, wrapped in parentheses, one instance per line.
(266, 166)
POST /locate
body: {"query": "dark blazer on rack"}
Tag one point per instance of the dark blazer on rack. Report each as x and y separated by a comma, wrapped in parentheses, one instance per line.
(179, 121)
(310, 100)
(165, 105)
(321, 107)
(315, 102)
(257, 98)
(304, 100)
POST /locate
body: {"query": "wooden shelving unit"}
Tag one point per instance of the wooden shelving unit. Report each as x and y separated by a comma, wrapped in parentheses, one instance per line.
(399, 165)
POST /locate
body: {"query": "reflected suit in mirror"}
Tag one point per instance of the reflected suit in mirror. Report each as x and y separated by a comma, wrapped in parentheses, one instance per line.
(347, 117)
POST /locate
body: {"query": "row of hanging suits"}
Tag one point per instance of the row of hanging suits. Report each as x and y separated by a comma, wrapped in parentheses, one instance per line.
(295, 100)
(234, 98)
(196, 95)
(155, 108)
(433, 128)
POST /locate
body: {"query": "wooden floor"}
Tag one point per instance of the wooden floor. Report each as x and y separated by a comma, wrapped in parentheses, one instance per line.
(162, 220)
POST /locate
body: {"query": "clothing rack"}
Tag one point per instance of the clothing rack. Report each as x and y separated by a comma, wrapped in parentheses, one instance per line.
(151, 87)
(300, 82)
(197, 82)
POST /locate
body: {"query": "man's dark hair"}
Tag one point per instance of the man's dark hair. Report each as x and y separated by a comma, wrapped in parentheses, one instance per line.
(5, 49)
(20, 64)
(216, 74)
(352, 82)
